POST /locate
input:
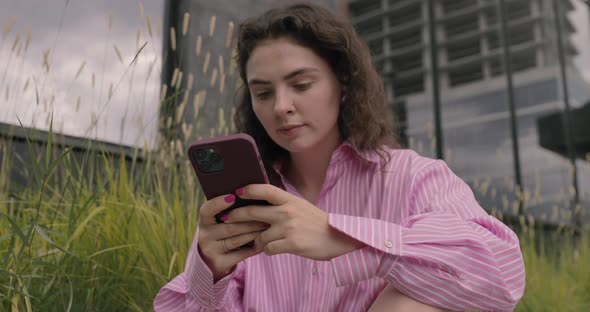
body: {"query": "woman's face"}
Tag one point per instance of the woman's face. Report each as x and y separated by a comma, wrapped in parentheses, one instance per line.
(295, 95)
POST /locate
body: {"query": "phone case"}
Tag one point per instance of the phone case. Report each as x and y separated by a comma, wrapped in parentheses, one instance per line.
(224, 164)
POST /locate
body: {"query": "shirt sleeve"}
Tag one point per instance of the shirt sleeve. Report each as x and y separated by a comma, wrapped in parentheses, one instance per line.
(448, 253)
(194, 290)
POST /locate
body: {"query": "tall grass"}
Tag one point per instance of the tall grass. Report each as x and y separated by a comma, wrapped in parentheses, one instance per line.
(111, 234)
(105, 239)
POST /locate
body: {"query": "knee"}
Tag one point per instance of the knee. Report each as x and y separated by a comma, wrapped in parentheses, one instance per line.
(392, 299)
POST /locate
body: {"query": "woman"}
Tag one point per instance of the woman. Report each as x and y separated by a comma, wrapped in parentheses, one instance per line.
(356, 223)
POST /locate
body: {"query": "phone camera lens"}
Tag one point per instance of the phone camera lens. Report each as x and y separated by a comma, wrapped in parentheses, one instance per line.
(205, 165)
(215, 158)
(201, 154)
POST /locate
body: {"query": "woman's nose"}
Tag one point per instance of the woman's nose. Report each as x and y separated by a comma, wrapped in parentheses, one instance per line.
(283, 104)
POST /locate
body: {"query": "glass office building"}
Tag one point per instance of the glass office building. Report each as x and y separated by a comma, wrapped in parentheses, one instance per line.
(475, 119)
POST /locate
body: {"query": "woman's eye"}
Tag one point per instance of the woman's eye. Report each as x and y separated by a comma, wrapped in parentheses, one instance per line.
(302, 86)
(263, 95)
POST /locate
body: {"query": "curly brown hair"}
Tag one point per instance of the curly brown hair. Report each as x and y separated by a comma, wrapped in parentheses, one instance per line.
(364, 119)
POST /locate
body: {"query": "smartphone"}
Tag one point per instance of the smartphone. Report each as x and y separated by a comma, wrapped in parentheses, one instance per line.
(224, 164)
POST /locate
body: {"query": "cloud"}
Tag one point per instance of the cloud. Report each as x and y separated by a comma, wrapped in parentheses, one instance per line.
(84, 38)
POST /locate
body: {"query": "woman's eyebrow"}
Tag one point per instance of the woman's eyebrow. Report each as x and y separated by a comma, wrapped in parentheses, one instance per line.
(288, 76)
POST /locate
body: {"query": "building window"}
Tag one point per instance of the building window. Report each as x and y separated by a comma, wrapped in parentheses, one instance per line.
(465, 74)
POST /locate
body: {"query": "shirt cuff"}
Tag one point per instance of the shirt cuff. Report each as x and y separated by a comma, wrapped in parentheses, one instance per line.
(201, 286)
(356, 266)
(381, 237)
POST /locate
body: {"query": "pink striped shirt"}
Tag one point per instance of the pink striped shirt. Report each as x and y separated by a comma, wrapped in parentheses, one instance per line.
(425, 234)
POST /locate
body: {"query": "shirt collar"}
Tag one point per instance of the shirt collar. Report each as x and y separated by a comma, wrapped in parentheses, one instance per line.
(343, 151)
(367, 155)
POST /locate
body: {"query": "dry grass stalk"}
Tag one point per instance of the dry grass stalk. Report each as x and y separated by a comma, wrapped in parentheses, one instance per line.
(28, 40)
(7, 93)
(515, 206)
(187, 130)
(141, 9)
(189, 83)
(137, 38)
(163, 92)
(151, 67)
(110, 90)
(80, 69)
(110, 22)
(206, 63)
(158, 27)
(173, 38)
(16, 41)
(212, 25)
(179, 80)
(221, 118)
(185, 22)
(198, 102)
(149, 25)
(179, 148)
(232, 62)
(93, 80)
(185, 96)
(213, 77)
(8, 26)
(19, 48)
(26, 85)
(174, 77)
(230, 32)
(221, 83)
(78, 104)
(46, 60)
(122, 127)
(220, 64)
(198, 46)
(180, 111)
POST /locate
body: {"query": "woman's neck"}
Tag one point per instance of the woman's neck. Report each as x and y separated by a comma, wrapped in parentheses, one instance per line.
(306, 171)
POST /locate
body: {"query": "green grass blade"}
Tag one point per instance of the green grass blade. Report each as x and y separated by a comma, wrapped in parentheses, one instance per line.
(109, 249)
(15, 228)
(45, 237)
(32, 152)
(49, 143)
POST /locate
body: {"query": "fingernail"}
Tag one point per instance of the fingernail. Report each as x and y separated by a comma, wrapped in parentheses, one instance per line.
(240, 191)
(224, 217)
(229, 198)
(254, 247)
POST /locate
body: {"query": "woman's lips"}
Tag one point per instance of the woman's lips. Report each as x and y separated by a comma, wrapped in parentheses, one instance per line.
(290, 131)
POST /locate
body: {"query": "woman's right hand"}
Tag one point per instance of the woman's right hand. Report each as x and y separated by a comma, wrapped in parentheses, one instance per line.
(219, 243)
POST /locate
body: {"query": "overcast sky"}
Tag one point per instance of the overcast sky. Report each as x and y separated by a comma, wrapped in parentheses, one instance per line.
(86, 45)
(91, 33)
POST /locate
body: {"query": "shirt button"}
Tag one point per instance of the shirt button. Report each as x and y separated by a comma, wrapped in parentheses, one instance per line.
(388, 244)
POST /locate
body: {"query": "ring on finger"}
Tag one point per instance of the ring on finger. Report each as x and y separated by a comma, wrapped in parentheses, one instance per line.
(224, 247)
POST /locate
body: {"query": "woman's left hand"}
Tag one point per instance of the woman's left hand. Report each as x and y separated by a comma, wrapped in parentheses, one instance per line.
(297, 226)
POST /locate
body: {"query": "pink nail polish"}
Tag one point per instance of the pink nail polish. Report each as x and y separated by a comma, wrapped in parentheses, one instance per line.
(240, 191)
(229, 198)
(224, 217)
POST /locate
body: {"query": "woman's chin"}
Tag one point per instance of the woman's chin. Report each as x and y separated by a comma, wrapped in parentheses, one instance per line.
(296, 146)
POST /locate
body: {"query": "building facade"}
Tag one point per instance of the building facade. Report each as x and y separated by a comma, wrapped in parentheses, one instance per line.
(474, 113)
